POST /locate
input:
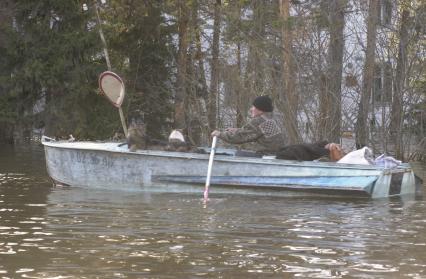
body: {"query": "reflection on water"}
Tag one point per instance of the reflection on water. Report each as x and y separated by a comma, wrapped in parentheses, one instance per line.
(72, 232)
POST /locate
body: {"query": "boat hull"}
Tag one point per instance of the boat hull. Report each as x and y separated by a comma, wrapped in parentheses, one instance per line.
(107, 165)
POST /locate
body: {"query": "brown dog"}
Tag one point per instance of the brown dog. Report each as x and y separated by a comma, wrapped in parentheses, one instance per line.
(136, 136)
(311, 151)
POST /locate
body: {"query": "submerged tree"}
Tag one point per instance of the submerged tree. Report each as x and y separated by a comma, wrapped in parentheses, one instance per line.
(289, 93)
(367, 77)
(214, 79)
(331, 99)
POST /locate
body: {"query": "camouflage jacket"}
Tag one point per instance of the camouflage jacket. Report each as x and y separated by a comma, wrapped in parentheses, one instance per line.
(262, 130)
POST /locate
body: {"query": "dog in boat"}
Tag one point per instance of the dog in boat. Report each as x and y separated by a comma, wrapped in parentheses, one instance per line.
(136, 136)
(137, 140)
(311, 151)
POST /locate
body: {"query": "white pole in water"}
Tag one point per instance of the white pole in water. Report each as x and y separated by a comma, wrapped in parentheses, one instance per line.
(209, 170)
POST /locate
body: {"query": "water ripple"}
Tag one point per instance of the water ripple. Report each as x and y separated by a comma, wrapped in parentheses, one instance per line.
(78, 233)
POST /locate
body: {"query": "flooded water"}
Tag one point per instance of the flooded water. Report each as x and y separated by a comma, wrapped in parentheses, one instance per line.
(69, 232)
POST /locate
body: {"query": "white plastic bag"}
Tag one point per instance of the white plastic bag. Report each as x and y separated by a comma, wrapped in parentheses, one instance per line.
(363, 156)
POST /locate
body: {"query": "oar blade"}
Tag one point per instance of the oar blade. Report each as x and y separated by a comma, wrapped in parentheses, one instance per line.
(112, 86)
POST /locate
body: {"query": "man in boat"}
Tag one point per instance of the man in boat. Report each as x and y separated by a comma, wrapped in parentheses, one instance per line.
(268, 138)
(262, 130)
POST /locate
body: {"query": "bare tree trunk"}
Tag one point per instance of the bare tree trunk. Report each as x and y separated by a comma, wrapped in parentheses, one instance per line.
(332, 128)
(368, 75)
(289, 94)
(214, 82)
(198, 131)
(240, 111)
(179, 117)
(192, 112)
(240, 103)
(324, 105)
(6, 15)
(397, 109)
(202, 72)
(254, 78)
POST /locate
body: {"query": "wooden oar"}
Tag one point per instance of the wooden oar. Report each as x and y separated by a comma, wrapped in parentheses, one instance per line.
(111, 85)
(209, 170)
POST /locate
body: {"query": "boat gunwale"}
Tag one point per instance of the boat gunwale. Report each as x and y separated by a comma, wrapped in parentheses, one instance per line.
(223, 158)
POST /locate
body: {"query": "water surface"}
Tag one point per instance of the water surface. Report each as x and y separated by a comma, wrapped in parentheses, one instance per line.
(70, 232)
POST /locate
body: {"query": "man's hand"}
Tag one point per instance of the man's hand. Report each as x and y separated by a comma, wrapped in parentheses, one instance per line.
(215, 133)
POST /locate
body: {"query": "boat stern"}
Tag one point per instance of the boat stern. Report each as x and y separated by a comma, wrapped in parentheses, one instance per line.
(395, 182)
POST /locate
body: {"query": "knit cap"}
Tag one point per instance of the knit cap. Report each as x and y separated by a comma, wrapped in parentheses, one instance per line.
(263, 103)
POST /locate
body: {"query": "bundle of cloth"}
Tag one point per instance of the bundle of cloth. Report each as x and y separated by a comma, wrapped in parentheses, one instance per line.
(364, 156)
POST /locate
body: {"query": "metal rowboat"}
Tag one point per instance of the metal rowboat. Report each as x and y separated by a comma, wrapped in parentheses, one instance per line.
(111, 166)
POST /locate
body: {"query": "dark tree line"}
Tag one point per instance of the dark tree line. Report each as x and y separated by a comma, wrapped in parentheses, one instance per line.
(335, 68)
